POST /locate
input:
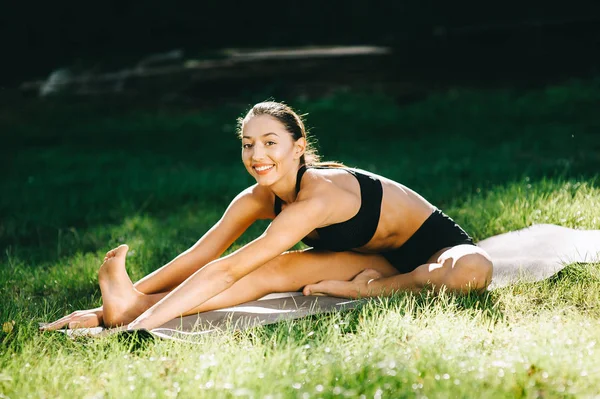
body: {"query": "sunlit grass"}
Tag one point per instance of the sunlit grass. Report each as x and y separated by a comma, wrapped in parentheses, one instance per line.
(84, 178)
(448, 346)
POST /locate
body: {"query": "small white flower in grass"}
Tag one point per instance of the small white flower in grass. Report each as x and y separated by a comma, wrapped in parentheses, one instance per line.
(319, 388)
(500, 363)
(243, 392)
(296, 385)
(337, 390)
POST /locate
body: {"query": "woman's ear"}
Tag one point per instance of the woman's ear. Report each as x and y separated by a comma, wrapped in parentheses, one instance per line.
(299, 147)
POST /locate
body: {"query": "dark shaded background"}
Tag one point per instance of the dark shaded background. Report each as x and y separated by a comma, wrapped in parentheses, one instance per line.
(493, 39)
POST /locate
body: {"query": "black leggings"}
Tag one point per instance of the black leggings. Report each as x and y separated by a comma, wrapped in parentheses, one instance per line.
(437, 232)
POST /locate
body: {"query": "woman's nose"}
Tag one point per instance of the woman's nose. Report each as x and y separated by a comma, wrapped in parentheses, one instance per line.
(258, 153)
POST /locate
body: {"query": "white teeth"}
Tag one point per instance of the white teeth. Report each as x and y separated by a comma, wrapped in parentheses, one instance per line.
(262, 168)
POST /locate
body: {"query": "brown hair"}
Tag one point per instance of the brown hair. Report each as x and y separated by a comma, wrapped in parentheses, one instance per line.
(293, 123)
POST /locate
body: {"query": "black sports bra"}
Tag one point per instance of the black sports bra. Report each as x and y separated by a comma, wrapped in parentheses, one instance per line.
(356, 231)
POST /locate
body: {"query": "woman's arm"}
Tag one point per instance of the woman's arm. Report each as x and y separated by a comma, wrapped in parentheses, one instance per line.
(250, 205)
(293, 223)
(244, 210)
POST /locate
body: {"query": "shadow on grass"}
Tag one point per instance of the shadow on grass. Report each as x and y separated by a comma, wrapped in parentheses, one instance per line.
(576, 285)
(310, 329)
(75, 168)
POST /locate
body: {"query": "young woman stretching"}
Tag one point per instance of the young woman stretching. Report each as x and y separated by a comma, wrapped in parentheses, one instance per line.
(368, 235)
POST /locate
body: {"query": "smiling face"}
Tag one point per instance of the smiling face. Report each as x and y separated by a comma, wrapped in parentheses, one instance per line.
(269, 151)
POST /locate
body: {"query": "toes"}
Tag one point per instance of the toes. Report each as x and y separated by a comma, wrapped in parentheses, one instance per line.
(315, 289)
(311, 289)
(121, 250)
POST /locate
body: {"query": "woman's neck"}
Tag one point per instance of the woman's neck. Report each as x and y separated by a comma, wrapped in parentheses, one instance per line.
(285, 188)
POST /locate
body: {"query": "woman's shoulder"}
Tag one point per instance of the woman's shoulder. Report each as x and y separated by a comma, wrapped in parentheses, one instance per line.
(322, 183)
(257, 193)
(325, 176)
(255, 200)
(326, 181)
(317, 179)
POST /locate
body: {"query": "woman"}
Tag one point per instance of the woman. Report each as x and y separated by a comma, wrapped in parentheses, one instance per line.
(369, 236)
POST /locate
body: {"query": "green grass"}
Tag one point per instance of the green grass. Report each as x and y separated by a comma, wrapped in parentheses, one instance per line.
(78, 179)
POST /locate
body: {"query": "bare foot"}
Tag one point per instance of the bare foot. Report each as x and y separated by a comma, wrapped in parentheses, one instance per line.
(121, 302)
(355, 288)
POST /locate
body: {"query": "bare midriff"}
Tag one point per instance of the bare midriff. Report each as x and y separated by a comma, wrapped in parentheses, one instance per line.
(403, 211)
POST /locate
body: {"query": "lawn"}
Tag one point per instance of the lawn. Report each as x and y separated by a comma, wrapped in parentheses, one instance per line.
(79, 178)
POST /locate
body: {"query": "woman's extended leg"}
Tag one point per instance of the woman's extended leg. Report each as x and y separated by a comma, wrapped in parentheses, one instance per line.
(460, 268)
(288, 272)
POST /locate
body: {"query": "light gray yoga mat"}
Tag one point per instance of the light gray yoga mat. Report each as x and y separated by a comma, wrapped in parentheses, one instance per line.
(538, 252)
(531, 254)
(267, 310)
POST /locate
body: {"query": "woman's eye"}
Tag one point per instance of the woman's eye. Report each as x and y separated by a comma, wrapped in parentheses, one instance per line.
(270, 143)
(246, 146)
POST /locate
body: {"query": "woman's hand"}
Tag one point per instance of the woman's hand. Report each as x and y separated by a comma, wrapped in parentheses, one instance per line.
(78, 319)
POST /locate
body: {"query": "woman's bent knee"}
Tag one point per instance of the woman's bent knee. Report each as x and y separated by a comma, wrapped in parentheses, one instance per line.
(470, 272)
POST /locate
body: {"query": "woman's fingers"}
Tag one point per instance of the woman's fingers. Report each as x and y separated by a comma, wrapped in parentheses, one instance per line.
(85, 321)
(55, 325)
(77, 319)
